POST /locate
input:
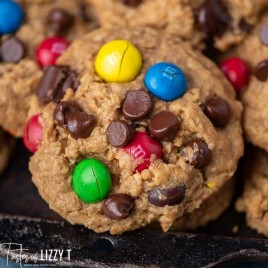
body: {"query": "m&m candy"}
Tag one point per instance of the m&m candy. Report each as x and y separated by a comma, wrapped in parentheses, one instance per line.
(142, 148)
(33, 133)
(118, 61)
(91, 180)
(11, 16)
(166, 81)
(50, 49)
(236, 71)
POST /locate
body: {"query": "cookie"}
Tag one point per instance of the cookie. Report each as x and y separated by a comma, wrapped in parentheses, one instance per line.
(254, 52)
(6, 146)
(19, 71)
(225, 22)
(210, 210)
(254, 201)
(151, 143)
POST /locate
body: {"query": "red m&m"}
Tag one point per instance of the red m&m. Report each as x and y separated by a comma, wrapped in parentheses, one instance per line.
(33, 134)
(236, 71)
(49, 50)
(142, 148)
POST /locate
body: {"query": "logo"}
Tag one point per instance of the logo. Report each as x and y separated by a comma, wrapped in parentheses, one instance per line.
(169, 73)
(16, 253)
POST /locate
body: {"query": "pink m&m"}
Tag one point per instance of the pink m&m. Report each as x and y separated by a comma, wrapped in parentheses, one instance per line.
(236, 71)
(142, 148)
(33, 134)
(50, 49)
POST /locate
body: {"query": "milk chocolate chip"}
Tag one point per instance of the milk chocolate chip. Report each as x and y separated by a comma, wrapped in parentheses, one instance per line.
(54, 83)
(213, 17)
(218, 111)
(63, 110)
(80, 124)
(117, 206)
(120, 133)
(169, 196)
(131, 3)
(196, 153)
(164, 125)
(12, 50)
(60, 20)
(261, 71)
(137, 105)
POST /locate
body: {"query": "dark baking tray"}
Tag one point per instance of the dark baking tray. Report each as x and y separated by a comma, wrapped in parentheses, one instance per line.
(27, 220)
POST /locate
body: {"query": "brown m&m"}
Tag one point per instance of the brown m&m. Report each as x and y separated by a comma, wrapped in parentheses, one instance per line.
(167, 197)
(137, 105)
(218, 111)
(117, 206)
(164, 125)
(120, 133)
(196, 153)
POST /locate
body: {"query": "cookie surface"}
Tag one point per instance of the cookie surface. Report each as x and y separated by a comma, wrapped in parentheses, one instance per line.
(196, 162)
(254, 51)
(18, 80)
(210, 210)
(254, 201)
(227, 22)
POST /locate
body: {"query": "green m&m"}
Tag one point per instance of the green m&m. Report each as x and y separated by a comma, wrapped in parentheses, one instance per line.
(91, 180)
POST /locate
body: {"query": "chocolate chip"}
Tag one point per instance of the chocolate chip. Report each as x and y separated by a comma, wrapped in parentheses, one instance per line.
(264, 34)
(196, 153)
(12, 50)
(54, 83)
(137, 105)
(63, 110)
(164, 125)
(169, 197)
(218, 111)
(261, 71)
(117, 206)
(213, 17)
(244, 26)
(132, 3)
(80, 124)
(60, 20)
(120, 133)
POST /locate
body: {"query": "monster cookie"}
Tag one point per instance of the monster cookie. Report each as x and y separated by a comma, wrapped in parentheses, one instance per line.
(175, 17)
(210, 210)
(254, 201)
(6, 145)
(43, 30)
(146, 131)
(254, 53)
(226, 22)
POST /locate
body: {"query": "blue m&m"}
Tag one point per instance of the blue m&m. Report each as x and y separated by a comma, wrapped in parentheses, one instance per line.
(166, 81)
(11, 16)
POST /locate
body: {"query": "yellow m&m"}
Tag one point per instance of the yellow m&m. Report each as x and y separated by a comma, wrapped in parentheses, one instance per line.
(118, 61)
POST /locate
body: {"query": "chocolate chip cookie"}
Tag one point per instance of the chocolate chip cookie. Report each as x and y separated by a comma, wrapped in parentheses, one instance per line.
(225, 22)
(254, 201)
(46, 27)
(137, 128)
(210, 210)
(254, 51)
